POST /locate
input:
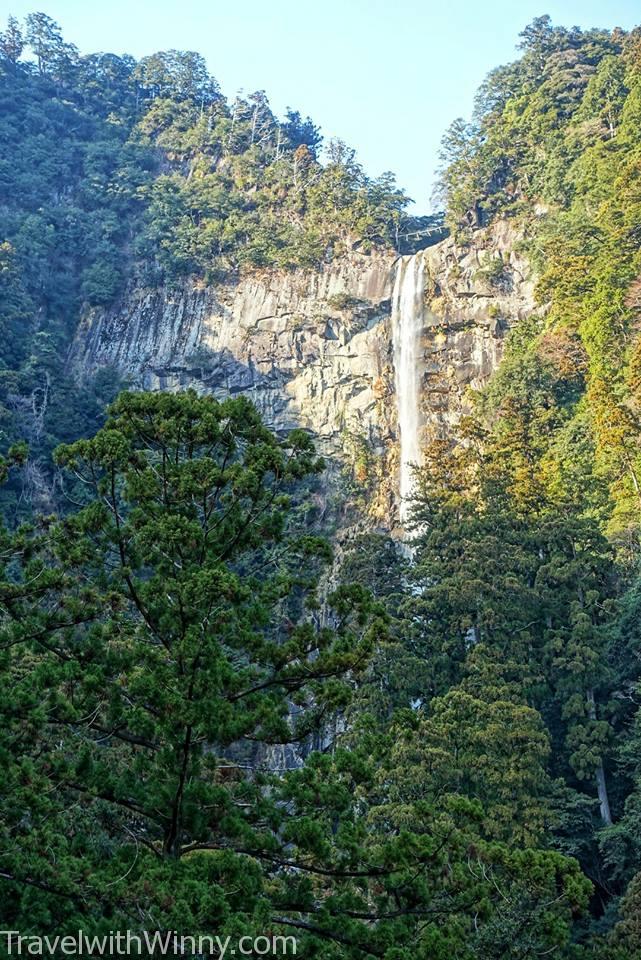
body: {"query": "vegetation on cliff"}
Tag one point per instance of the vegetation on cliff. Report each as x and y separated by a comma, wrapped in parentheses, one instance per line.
(466, 723)
(554, 145)
(114, 170)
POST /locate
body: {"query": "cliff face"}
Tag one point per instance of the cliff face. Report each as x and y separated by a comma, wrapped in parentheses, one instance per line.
(474, 294)
(316, 348)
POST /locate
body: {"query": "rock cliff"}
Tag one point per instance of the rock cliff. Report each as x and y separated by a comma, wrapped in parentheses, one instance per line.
(314, 348)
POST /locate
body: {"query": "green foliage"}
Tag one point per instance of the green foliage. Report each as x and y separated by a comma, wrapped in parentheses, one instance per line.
(555, 145)
(475, 791)
(559, 129)
(113, 170)
(439, 889)
(493, 273)
(154, 641)
(531, 121)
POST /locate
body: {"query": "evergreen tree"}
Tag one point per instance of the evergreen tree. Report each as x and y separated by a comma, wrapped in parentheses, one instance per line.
(156, 641)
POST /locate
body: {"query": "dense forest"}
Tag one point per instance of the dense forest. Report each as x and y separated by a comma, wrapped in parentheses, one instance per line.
(465, 714)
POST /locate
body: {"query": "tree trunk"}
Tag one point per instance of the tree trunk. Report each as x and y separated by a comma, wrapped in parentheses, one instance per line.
(601, 785)
(602, 791)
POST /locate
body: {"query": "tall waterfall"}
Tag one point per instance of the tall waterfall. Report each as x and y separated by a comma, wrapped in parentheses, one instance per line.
(407, 327)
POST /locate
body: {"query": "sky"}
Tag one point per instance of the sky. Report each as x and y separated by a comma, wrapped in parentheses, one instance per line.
(387, 77)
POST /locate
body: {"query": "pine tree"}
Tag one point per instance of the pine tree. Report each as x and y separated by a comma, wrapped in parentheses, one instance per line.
(159, 640)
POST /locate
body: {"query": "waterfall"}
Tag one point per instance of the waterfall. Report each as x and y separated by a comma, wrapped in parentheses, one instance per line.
(407, 328)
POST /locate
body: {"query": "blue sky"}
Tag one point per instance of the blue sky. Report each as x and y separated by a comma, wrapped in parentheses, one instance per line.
(387, 77)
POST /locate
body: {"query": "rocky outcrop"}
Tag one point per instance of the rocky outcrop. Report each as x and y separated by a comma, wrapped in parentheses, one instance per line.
(313, 348)
(474, 293)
